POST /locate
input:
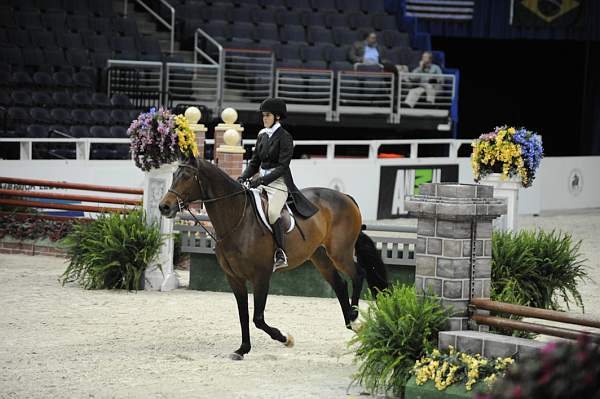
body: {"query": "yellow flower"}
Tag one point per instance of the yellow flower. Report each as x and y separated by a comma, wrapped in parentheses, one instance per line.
(511, 130)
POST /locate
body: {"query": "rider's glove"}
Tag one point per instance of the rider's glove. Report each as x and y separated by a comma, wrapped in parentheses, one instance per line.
(255, 181)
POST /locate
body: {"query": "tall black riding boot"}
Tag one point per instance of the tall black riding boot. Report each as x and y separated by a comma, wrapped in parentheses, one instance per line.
(280, 258)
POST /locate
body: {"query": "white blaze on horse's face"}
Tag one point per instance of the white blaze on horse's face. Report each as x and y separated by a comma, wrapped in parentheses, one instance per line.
(179, 194)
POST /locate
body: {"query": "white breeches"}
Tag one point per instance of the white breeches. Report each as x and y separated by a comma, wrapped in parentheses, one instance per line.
(277, 193)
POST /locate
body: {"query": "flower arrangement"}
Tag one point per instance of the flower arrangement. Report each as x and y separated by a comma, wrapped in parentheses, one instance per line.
(159, 137)
(445, 369)
(508, 151)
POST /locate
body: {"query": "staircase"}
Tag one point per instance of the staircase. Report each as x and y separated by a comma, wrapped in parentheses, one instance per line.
(148, 25)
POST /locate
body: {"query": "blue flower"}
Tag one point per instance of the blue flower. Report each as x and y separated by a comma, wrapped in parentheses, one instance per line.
(153, 110)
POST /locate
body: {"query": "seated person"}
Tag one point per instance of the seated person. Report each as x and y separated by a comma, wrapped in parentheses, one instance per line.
(367, 51)
(424, 84)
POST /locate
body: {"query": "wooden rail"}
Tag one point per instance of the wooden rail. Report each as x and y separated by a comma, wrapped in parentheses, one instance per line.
(525, 311)
(23, 196)
(69, 207)
(501, 322)
(75, 186)
(536, 313)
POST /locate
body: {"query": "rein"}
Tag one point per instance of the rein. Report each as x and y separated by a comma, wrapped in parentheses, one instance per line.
(182, 205)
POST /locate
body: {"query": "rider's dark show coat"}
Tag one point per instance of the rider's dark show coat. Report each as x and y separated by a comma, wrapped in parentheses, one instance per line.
(276, 153)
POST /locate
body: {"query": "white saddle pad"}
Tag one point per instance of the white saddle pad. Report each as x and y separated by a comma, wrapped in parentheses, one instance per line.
(261, 213)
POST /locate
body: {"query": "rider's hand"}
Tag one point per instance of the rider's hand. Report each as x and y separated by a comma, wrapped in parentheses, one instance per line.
(240, 180)
(255, 181)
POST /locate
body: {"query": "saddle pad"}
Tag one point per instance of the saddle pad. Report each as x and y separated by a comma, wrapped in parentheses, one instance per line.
(261, 213)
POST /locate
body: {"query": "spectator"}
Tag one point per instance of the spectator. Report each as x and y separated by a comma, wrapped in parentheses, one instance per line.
(425, 84)
(367, 51)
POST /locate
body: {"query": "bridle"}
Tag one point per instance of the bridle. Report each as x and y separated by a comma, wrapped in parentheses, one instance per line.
(184, 204)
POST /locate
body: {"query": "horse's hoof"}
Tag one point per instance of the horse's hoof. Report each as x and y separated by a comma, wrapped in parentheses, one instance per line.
(236, 356)
(355, 326)
(289, 341)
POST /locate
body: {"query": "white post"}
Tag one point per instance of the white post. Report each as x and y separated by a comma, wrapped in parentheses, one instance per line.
(156, 183)
(508, 189)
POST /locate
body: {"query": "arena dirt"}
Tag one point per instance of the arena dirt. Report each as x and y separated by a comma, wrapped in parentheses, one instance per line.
(64, 342)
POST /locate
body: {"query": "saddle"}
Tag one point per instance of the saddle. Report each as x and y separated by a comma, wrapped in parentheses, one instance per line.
(261, 206)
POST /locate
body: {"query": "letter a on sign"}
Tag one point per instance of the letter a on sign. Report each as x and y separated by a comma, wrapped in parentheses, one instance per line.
(402, 187)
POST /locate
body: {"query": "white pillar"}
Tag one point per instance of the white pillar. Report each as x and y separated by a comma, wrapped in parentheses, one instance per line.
(156, 184)
(508, 189)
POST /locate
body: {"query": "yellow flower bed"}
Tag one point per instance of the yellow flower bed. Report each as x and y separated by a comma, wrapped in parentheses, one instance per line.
(445, 369)
(186, 137)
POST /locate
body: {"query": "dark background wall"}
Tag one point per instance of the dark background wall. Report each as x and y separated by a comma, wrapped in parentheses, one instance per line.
(550, 86)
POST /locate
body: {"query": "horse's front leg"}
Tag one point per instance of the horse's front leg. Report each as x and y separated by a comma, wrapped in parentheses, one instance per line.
(238, 286)
(261, 291)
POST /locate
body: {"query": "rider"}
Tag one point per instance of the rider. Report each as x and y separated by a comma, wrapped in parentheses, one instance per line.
(270, 169)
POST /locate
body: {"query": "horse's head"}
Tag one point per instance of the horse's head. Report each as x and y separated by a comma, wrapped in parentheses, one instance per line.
(184, 189)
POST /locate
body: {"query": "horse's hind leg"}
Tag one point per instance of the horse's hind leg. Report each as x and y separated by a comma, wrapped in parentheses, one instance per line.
(238, 286)
(328, 270)
(261, 291)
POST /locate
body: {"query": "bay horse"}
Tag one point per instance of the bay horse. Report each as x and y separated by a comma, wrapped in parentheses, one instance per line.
(244, 247)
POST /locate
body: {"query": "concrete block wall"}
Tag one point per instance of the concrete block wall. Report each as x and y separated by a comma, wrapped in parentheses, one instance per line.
(453, 250)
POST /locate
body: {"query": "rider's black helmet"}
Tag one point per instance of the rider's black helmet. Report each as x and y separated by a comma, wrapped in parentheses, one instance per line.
(276, 106)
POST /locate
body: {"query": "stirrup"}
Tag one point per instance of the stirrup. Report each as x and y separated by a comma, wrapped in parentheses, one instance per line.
(278, 264)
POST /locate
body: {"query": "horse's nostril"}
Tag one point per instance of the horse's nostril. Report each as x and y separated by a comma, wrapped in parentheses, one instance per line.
(163, 208)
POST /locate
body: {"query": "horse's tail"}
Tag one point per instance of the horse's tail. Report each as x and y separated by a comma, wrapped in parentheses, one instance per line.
(370, 261)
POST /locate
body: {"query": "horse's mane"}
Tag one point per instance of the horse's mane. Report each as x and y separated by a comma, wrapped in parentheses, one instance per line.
(209, 166)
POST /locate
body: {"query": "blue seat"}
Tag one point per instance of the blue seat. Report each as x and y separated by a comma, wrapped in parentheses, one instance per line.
(343, 36)
(319, 34)
(293, 34)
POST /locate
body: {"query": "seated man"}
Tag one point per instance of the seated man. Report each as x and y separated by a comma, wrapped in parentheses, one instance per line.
(425, 84)
(367, 51)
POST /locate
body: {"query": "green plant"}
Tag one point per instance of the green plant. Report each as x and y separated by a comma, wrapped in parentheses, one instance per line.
(451, 367)
(537, 268)
(111, 251)
(398, 328)
(559, 370)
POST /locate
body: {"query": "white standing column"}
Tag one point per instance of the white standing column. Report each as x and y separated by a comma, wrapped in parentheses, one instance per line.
(156, 184)
(508, 189)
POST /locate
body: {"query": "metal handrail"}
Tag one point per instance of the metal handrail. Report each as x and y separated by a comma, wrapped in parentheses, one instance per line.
(159, 18)
(219, 62)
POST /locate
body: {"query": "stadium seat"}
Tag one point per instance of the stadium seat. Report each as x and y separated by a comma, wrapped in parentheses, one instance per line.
(19, 37)
(101, 100)
(41, 115)
(81, 116)
(298, 4)
(312, 19)
(42, 99)
(120, 116)
(293, 34)
(79, 131)
(62, 99)
(119, 132)
(82, 99)
(319, 34)
(61, 116)
(43, 39)
(43, 79)
(121, 101)
(99, 131)
(100, 117)
(21, 79)
(37, 131)
(22, 98)
(323, 5)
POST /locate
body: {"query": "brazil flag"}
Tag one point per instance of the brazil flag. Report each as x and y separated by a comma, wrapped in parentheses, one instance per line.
(548, 13)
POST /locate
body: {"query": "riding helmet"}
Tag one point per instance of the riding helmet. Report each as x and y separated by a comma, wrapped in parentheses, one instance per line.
(276, 106)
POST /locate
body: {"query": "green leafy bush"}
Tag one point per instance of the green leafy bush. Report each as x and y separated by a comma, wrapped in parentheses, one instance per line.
(111, 252)
(559, 370)
(536, 269)
(398, 329)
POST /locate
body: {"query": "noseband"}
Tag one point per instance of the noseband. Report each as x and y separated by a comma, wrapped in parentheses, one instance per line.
(184, 204)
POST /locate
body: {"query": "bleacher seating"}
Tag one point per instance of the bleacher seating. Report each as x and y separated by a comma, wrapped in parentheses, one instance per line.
(270, 24)
(53, 56)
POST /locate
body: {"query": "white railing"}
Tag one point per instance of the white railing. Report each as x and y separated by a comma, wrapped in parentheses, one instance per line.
(247, 77)
(83, 146)
(306, 90)
(170, 27)
(434, 94)
(141, 81)
(193, 83)
(365, 93)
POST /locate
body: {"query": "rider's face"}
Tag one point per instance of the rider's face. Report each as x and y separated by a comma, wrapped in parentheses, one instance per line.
(268, 119)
